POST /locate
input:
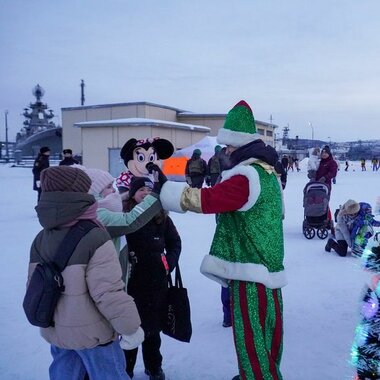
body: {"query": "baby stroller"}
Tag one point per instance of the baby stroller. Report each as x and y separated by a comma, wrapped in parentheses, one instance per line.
(316, 210)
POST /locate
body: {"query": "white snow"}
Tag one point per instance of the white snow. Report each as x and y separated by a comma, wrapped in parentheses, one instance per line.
(321, 301)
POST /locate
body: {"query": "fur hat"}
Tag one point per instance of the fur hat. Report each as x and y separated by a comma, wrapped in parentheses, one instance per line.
(239, 127)
(217, 148)
(65, 178)
(351, 207)
(137, 183)
(326, 149)
(100, 180)
(69, 151)
(44, 149)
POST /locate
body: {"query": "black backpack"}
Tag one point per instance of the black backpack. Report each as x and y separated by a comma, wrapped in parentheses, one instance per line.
(46, 284)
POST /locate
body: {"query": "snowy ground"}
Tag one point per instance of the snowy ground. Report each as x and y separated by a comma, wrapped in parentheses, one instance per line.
(320, 301)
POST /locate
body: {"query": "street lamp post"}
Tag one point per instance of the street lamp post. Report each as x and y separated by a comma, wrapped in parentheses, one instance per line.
(312, 131)
(6, 136)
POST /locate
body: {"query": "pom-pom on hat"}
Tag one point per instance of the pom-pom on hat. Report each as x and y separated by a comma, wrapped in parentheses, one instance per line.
(351, 207)
(239, 127)
(44, 149)
(100, 180)
(65, 178)
(137, 183)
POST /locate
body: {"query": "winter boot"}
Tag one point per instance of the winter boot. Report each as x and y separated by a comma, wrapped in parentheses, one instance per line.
(329, 244)
(156, 375)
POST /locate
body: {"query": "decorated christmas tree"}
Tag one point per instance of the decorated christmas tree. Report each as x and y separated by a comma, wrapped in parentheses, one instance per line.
(365, 353)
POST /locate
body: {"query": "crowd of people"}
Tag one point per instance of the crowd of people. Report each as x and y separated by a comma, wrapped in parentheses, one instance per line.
(123, 288)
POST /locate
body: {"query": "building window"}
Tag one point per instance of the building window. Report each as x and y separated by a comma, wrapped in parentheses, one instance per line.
(260, 131)
(270, 133)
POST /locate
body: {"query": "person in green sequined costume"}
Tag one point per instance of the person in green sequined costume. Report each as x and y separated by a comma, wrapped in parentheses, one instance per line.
(247, 251)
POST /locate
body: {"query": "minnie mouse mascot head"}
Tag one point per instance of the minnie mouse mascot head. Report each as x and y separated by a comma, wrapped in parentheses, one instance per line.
(137, 153)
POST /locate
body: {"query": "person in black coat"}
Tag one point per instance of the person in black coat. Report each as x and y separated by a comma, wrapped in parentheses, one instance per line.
(68, 158)
(40, 163)
(154, 252)
(285, 162)
(279, 167)
(196, 169)
(214, 167)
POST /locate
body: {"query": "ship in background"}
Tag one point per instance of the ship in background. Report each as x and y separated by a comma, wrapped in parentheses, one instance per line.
(39, 129)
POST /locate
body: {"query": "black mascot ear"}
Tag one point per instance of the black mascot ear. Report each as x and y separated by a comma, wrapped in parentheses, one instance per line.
(126, 152)
(164, 148)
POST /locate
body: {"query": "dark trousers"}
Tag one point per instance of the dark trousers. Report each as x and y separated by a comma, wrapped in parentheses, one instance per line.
(39, 191)
(150, 352)
(197, 181)
(225, 297)
(340, 247)
(214, 178)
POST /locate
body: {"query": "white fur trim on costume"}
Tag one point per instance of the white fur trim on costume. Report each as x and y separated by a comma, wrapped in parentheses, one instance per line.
(234, 138)
(222, 271)
(170, 196)
(253, 180)
(129, 342)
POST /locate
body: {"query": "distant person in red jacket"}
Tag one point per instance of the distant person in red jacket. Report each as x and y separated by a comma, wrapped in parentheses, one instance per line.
(327, 170)
(328, 167)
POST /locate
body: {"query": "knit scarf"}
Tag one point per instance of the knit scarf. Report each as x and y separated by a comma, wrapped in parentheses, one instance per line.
(89, 214)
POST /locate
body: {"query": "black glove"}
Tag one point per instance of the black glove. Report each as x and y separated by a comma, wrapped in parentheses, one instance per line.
(161, 177)
(208, 181)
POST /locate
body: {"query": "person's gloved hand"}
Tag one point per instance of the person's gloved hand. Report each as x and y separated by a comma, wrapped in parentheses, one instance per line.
(188, 180)
(38, 184)
(322, 180)
(129, 342)
(159, 176)
(208, 181)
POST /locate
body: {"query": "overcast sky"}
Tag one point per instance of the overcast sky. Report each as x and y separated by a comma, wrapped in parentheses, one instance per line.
(300, 61)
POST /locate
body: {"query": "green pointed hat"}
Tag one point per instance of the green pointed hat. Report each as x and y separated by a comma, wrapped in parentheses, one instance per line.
(239, 127)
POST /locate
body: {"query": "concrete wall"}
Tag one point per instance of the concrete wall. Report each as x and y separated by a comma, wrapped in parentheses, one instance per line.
(208, 121)
(217, 122)
(153, 112)
(96, 141)
(72, 137)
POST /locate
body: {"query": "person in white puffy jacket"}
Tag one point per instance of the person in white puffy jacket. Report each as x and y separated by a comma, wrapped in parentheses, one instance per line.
(313, 163)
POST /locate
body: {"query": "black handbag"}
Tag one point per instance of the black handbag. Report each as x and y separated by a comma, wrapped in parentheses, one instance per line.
(178, 321)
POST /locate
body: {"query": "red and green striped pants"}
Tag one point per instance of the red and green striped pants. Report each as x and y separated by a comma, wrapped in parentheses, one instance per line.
(258, 330)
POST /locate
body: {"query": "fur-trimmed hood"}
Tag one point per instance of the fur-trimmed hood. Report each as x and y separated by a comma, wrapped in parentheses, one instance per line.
(255, 149)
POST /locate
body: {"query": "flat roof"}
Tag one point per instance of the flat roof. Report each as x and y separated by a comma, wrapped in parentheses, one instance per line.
(137, 121)
(122, 105)
(218, 115)
(195, 115)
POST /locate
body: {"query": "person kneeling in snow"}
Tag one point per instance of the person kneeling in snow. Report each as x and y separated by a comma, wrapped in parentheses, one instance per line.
(363, 228)
(355, 225)
(343, 229)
